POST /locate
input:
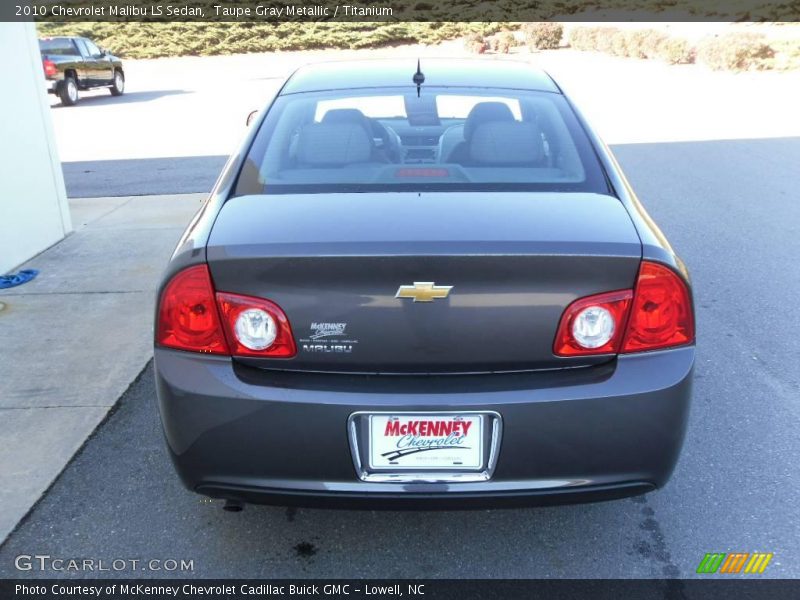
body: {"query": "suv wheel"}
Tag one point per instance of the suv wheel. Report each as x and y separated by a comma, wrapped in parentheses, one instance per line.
(68, 91)
(118, 86)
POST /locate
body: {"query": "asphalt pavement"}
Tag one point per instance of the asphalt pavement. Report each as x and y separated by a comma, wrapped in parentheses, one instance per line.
(141, 177)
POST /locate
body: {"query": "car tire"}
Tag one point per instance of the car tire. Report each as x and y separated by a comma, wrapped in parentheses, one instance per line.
(118, 85)
(68, 91)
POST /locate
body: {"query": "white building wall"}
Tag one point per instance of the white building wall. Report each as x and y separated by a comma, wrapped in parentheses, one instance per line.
(33, 203)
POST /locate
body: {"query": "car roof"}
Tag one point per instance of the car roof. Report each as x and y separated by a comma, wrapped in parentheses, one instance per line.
(381, 73)
(63, 37)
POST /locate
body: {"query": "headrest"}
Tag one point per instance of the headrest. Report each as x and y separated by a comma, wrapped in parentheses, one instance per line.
(485, 112)
(333, 144)
(515, 143)
(344, 115)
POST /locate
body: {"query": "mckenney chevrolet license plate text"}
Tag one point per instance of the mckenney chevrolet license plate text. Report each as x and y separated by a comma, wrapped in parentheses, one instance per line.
(426, 441)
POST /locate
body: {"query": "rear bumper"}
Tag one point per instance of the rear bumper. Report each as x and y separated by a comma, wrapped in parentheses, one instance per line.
(569, 436)
(51, 85)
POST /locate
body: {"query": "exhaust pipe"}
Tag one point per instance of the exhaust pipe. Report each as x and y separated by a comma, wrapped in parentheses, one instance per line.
(233, 506)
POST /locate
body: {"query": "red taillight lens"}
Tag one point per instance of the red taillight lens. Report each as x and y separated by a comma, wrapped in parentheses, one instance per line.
(612, 310)
(661, 314)
(187, 315)
(193, 317)
(49, 68)
(256, 327)
(656, 314)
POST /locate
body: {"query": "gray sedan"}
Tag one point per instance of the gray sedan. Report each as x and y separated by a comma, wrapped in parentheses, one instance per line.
(423, 285)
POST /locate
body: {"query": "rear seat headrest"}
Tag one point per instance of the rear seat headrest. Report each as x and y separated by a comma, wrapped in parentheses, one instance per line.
(500, 143)
(486, 112)
(344, 115)
(333, 144)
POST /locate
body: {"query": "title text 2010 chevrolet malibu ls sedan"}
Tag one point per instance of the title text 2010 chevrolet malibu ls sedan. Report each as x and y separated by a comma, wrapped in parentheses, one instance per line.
(423, 286)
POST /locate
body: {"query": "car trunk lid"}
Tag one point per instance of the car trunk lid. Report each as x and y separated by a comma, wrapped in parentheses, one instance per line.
(336, 264)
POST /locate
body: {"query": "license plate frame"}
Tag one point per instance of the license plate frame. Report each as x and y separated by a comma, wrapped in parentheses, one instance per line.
(479, 468)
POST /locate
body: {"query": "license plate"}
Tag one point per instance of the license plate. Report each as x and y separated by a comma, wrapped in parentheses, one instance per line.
(426, 441)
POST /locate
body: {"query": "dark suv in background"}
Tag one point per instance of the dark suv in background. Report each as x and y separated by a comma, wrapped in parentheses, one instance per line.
(76, 63)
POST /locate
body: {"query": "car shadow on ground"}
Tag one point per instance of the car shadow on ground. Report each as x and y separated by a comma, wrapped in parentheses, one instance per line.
(103, 97)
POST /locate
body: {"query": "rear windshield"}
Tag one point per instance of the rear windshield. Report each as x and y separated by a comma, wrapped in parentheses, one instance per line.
(444, 139)
(65, 47)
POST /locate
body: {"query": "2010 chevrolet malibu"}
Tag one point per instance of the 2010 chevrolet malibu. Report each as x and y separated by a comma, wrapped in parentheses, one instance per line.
(423, 285)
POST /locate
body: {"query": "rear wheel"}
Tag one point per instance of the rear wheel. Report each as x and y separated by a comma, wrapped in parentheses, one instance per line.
(68, 91)
(118, 86)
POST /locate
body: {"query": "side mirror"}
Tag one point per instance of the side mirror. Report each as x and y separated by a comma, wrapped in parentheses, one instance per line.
(251, 117)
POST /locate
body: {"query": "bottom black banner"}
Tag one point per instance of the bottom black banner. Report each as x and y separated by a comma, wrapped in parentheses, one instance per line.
(434, 589)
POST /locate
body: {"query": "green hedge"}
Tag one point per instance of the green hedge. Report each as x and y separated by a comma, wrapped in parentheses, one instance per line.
(152, 40)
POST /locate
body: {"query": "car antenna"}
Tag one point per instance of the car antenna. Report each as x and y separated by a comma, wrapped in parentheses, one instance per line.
(419, 78)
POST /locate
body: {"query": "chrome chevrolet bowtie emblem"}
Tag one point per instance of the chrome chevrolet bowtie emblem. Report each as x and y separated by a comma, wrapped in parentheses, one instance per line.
(423, 291)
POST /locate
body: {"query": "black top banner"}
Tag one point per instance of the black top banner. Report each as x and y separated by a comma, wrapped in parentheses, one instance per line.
(279, 11)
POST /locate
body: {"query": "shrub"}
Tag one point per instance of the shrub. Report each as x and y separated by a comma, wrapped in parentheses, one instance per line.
(582, 38)
(543, 36)
(636, 43)
(787, 54)
(150, 40)
(619, 43)
(735, 51)
(501, 42)
(578, 38)
(651, 45)
(476, 43)
(675, 51)
(504, 41)
(592, 38)
(644, 43)
(604, 38)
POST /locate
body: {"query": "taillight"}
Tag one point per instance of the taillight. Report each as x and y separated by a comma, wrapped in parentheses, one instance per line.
(50, 69)
(187, 314)
(256, 327)
(593, 325)
(656, 314)
(193, 317)
(661, 314)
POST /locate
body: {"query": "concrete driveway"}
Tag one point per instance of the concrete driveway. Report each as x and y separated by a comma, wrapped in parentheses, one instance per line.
(715, 159)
